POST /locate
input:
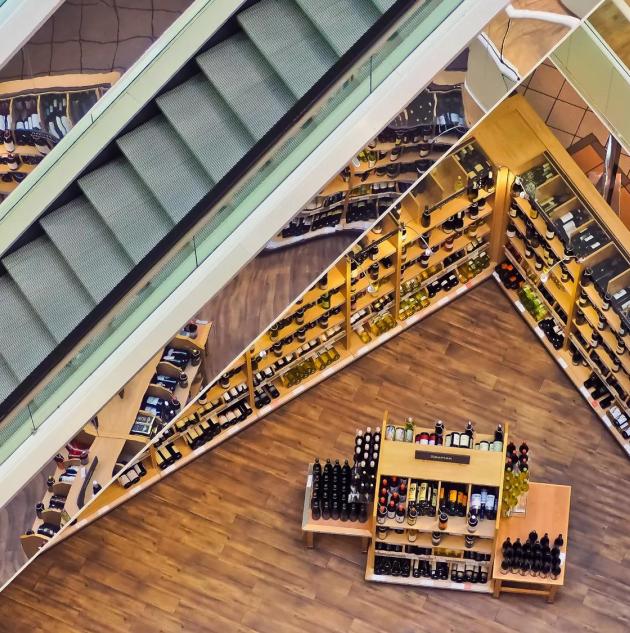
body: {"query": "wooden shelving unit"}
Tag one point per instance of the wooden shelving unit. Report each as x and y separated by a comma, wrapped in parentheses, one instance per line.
(311, 527)
(376, 299)
(23, 98)
(111, 441)
(540, 259)
(547, 512)
(394, 158)
(484, 469)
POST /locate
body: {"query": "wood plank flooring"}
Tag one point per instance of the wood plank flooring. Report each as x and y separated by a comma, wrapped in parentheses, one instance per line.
(217, 546)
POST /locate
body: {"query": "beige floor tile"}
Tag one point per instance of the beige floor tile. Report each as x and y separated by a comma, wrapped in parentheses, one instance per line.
(565, 138)
(565, 117)
(547, 79)
(540, 102)
(569, 94)
(591, 124)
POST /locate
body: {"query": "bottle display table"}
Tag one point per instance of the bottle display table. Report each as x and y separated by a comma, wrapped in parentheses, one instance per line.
(311, 527)
(547, 511)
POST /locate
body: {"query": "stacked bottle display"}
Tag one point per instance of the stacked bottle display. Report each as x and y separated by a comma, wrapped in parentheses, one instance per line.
(403, 502)
(437, 437)
(466, 571)
(516, 478)
(534, 557)
(344, 492)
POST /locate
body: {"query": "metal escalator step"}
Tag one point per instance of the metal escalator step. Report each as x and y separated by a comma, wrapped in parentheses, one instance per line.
(205, 123)
(254, 91)
(8, 380)
(289, 41)
(49, 285)
(127, 206)
(341, 22)
(166, 165)
(24, 340)
(384, 5)
(88, 245)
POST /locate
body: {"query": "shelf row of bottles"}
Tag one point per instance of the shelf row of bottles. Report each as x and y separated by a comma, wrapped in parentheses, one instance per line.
(459, 573)
(590, 369)
(439, 437)
(381, 172)
(33, 121)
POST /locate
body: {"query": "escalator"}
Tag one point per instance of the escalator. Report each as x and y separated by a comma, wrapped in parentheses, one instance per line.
(163, 168)
(199, 175)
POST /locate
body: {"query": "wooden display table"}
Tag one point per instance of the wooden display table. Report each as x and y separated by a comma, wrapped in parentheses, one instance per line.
(310, 527)
(547, 511)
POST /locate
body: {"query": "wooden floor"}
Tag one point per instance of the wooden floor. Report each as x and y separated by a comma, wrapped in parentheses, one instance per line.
(217, 547)
(614, 29)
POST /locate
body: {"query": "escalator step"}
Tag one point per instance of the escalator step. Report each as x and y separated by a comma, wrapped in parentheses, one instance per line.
(127, 206)
(49, 285)
(383, 5)
(88, 245)
(166, 165)
(254, 92)
(205, 123)
(341, 22)
(289, 41)
(24, 340)
(8, 380)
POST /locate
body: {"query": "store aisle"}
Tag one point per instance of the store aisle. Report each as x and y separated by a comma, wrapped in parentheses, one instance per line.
(217, 546)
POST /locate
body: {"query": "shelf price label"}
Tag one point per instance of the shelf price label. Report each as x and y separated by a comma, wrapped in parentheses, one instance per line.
(562, 362)
(519, 306)
(606, 421)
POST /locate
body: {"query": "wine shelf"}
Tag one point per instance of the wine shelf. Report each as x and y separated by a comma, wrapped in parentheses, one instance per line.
(456, 527)
(112, 438)
(438, 193)
(577, 375)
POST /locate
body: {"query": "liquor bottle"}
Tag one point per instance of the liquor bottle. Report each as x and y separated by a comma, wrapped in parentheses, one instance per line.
(317, 468)
(443, 521)
(439, 433)
(425, 219)
(381, 514)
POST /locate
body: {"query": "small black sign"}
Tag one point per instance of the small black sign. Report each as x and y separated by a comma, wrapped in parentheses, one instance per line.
(447, 458)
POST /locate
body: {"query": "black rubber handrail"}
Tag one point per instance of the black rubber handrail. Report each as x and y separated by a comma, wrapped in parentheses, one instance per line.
(204, 207)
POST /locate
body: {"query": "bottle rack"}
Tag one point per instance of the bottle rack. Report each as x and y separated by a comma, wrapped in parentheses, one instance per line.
(485, 469)
(378, 174)
(406, 294)
(109, 443)
(26, 108)
(573, 270)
